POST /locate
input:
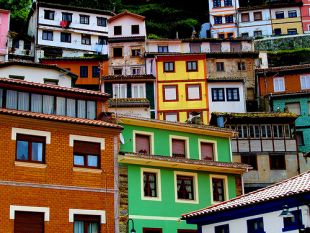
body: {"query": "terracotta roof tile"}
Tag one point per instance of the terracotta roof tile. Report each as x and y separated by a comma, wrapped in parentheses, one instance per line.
(53, 87)
(128, 77)
(256, 115)
(218, 79)
(129, 102)
(293, 186)
(126, 12)
(284, 68)
(67, 119)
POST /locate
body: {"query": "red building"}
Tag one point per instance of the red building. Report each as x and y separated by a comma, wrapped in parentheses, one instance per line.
(305, 16)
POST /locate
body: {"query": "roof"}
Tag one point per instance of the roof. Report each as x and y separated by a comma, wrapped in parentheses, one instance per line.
(148, 77)
(169, 54)
(177, 126)
(198, 40)
(129, 102)
(52, 87)
(118, 39)
(4, 11)
(269, 5)
(241, 54)
(290, 187)
(226, 79)
(96, 58)
(66, 119)
(272, 70)
(38, 65)
(126, 12)
(290, 94)
(74, 8)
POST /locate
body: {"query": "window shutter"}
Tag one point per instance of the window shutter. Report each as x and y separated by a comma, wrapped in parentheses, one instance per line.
(206, 151)
(193, 92)
(215, 47)
(89, 148)
(142, 144)
(171, 117)
(29, 222)
(170, 93)
(178, 147)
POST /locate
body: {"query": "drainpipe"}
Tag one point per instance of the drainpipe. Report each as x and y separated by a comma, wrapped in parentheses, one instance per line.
(116, 181)
(297, 153)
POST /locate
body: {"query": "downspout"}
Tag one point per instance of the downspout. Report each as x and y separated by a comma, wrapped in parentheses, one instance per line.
(37, 33)
(296, 141)
(116, 194)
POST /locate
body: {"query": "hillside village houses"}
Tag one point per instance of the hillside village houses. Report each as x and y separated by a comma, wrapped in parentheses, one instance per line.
(107, 130)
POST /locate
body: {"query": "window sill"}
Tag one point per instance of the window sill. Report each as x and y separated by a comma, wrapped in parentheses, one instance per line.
(187, 201)
(89, 170)
(30, 165)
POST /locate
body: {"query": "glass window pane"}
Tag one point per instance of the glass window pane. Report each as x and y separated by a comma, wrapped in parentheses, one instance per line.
(36, 103)
(22, 150)
(23, 101)
(92, 161)
(93, 227)
(61, 106)
(37, 151)
(79, 160)
(48, 104)
(91, 110)
(78, 227)
(11, 99)
(71, 108)
(81, 108)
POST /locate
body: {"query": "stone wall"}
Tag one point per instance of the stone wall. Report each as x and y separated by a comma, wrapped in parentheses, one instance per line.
(123, 197)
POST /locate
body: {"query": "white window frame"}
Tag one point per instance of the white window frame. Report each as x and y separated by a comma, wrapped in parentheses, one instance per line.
(307, 84)
(158, 184)
(164, 91)
(199, 91)
(226, 194)
(140, 95)
(276, 88)
(73, 138)
(150, 134)
(118, 86)
(186, 139)
(100, 213)
(31, 132)
(214, 147)
(35, 209)
(195, 187)
(172, 113)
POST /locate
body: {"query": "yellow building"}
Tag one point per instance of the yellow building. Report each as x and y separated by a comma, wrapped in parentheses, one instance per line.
(182, 87)
(286, 20)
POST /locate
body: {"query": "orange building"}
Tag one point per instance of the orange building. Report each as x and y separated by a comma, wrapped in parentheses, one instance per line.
(57, 162)
(88, 69)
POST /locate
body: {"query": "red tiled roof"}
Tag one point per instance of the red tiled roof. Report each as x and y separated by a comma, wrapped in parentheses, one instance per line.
(284, 68)
(126, 12)
(53, 87)
(128, 77)
(67, 119)
(293, 186)
(129, 102)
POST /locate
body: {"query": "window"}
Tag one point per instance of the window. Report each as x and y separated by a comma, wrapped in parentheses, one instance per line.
(278, 131)
(135, 70)
(150, 184)
(195, 47)
(266, 131)
(305, 82)
(293, 107)
(235, 47)
(47, 35)
(277, 31)
(118, 71)
(84, 19)
(152, 230)
(185, 187)
(17, 77)
(258, 16)
(178, 148)
(230, 35)
(84, 71)
(85, 39)
(67, 17)
(242, 131)
(143, 144)
(229, 19)
(193, 92)
(279, 14)
(30, 148)
(163, 49)
(135, 29)
(216, 3)
(66, 107)
(254, 131)
(138, 90)
(245, 17)
(300, 138)
(86, 224)
(232, 94)
(215, 47)
(15, 43)
(171, 116)
(27, 45)
(65, 37)
(250, 159)
(218, 94)
(257, 33)
(207, 151)
(168, 66)
(51, 81)
(170, 93)
(218, 190)
(217, 19)
(255, 225)
(102, 40)
(278, 84)
(86, 154)
(101, 21)
(292, 223)
(117, 30)
(120, 90)
(221, 229)
(135, 52)
(277, 161)
(95, 71)
(49, 14)
(292, 14)
(241, 66)
(118, 52)
(220, 67)
(29, 222)
(221, 36)
(227, 2)
(191, 66)
(292, 31)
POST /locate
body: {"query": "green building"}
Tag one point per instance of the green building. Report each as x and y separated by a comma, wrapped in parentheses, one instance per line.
(169, 168)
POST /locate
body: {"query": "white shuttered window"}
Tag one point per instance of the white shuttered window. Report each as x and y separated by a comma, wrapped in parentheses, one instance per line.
(193, 92)
(170, 93)
(138, 90)
(278, 84)
(120, 90)
(305, 82)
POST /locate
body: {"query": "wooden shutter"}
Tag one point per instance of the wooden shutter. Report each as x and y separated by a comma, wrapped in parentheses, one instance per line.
(171, 116)
(143, 144)
(206, 151)
(178, 147)
(26, 222)
(89, 148)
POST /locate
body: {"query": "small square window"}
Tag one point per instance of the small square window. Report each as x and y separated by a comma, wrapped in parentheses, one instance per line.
(171, 116)
(191, 66)
(65, 37)
(215, 47)
(278, 84)
(170, 93)
(185, 187)
(217, 19)
(230, 35)
(250, 159)
(207, 151)
(300, 138)
(245, 35)
(305, 82)
(84, 71)
(227, 2)
(143, 144)
(221, 36)
(102, 40)
(118, 71)
(51, 81)
(168, 66)
(119, 90)
(292, 31)
(279, 14)
(135, 29)
(292, 14)
(86, 40)
(86, 154)
(101, 21)
(30, 148)
(135, 52)
(221, 229)
(255, 225)
(117, 52)
(86, 223)
(232, 94)
(95, 71)
(138, 90)
(216, 3)
(84, 19)
(218, 94)
(49, 14)
(178, 148)
(117, 30)
(257, 33)
(136, 70)
(229, 19)
(218, 189)
(258, 16)
(67, 17)
(163, 49)
(193, 92)
(241, 66)
(293, 107)
(47, 35)
(277, 31)
(277, 161)
(245, 17)
(220, 67)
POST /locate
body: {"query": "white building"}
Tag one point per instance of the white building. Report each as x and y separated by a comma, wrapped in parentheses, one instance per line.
(259, 211)
(68, 31)
(38, 73)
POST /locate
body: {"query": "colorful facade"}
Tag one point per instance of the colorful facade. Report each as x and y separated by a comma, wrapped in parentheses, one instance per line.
(169, 170)
(305, 16)
(4, 33)
(181, 87)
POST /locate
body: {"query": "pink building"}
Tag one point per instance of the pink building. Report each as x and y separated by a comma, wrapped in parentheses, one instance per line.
(305, 16)
(4, 30)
